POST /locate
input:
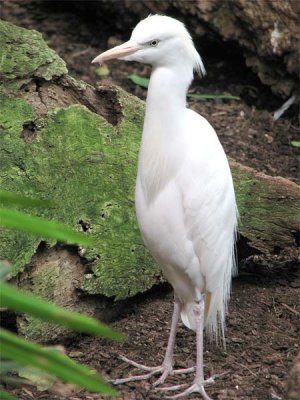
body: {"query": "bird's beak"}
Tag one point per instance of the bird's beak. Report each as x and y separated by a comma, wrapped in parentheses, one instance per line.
(121, 51)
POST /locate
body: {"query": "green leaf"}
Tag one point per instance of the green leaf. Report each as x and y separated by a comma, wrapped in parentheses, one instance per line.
(40, 380)
(20, 301)
(8, 198)
(38, 226)
(295, 143)
(13, 380)
(207, 96)
(51, 361)
(6, 396)
(138, 80)
(6, 366)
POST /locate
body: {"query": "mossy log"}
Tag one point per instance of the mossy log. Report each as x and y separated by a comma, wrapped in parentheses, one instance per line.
(266, 32)
(64, 140)
(269, 209)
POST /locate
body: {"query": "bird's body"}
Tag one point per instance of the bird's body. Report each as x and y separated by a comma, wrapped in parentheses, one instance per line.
(185, 200)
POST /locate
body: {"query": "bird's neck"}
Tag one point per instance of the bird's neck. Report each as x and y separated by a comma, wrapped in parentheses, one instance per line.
(163, 135)
(167, 91)
(166, 102)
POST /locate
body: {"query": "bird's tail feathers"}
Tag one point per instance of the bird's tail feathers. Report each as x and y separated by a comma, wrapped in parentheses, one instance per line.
(218, 307)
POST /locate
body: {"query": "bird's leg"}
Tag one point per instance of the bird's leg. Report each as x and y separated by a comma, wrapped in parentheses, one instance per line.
(199, 382)
(167, 366)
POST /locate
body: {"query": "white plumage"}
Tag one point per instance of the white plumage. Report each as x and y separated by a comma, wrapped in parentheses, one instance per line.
(185, 200)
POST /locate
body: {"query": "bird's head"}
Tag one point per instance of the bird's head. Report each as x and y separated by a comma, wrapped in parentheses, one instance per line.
(160, 41)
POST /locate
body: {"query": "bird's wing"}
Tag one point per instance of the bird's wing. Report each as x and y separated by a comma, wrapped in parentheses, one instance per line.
(209, 211)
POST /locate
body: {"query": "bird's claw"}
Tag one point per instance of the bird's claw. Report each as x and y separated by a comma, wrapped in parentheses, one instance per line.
(169, 371)
(151, 371)
(133, 378)
(171, 388)
(163, 377)
(164, 370)
(194, 388)
(139, 366)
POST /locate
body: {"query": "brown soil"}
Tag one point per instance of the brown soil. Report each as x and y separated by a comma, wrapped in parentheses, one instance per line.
(263, 322)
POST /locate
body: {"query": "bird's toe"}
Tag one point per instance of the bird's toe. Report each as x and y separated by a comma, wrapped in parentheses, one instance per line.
(195, 388)
(163, 377)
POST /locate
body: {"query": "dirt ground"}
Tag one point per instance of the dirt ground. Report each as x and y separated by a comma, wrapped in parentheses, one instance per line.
(263, 323)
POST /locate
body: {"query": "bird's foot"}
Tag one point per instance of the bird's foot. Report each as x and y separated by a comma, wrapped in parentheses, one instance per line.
(196, 387)
(164, 369)
(150, 371)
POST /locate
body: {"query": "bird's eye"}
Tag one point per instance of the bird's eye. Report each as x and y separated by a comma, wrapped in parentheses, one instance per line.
(154, 43)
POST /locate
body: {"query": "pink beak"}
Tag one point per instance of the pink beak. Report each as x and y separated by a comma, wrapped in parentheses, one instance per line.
(123, 50)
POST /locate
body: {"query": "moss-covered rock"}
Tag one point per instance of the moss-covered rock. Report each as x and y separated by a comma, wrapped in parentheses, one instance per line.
(24, 54)
(87, 168)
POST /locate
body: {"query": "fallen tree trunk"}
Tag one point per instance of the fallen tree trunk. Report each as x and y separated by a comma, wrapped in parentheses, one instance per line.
(269, 210)
(77, 145)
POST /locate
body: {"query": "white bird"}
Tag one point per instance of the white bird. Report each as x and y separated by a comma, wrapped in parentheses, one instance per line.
(185, 201)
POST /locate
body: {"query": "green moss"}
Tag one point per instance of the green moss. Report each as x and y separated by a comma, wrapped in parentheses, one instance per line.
(87, 168)
(15, 112)
(24, 54)
(267, 209)
(44, 285)
(125, 267)
(81, 85)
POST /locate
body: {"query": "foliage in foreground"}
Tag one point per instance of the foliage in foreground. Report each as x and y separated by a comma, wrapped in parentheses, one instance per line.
(29, 359)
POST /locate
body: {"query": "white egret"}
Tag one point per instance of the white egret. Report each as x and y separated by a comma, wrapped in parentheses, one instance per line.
(185, 201)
